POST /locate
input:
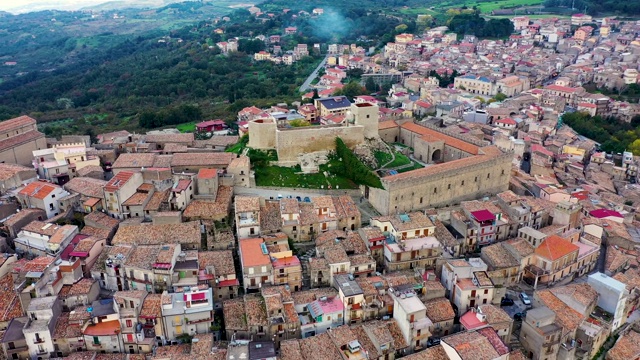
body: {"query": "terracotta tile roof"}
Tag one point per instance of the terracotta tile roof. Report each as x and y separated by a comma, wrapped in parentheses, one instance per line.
(143, 257)
(101, 219)
(135, 160)
(247, 203)
(389, 124)
(89, 169)
(319, 347)
(627, 347)
(38, 264)
(471, 345)
(20, 139)
(85, 245)
(38, 189)
(187, 233)
(80, 313)
(495, 314)
(255, 310)
(582, 293)
(95, 232)
(433, 353)
(152, 306)
(520, 246)
(10, 306)
(448, 140)
(173, 352)
(217, 140)
(234, 314)
(222, 261)
(211, 210)
(290, 350)
(566, 317)
(170, 138)
(10, 170)
(136, 199)
(251, 252)
(201, 349)
(239, 162)
(16, 123)
(118, 181)
(111, 252)
(308, 296)
(487, 153)
(22, 215)
(64, 330)
(82, 287)
(104, 328)
(86, 186)
(415, 220)
(398, 339)
(554, 247)
(308, 214)
(84, 355)
(207, 173)
(345, 206)
(439, 310)
(197, 159)
(498, 257)
(335, 255)
(156, 200)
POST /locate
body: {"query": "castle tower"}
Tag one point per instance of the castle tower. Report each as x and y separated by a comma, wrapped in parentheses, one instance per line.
(367, 115)
(566, 213)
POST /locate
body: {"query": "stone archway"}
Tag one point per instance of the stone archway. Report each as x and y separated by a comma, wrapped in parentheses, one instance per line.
(436, 155)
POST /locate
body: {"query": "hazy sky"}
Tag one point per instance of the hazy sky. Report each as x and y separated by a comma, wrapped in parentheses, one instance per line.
(27, 5)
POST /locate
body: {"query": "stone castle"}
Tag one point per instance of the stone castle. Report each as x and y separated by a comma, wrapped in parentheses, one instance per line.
(291, 142)
(458, 168)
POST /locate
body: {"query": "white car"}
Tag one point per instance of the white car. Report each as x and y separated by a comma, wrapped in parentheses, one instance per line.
(525, 299)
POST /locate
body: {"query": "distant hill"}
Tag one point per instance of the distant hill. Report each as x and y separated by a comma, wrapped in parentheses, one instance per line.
(74, 5)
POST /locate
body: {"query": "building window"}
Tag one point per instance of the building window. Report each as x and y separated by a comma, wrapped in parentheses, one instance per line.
(462, 184)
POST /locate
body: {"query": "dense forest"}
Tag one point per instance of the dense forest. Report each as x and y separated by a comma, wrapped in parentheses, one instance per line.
(474, 24)
(598, 7)
(612, 134)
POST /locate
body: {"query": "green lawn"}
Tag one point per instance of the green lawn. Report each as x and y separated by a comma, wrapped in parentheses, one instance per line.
(187, 127)
(418, 11)
(384, 157)
(487, 7)
(287, 177)
(414, 167)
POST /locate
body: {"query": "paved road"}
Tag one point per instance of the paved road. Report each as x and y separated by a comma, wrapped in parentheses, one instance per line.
(307, 83)
(268, 193)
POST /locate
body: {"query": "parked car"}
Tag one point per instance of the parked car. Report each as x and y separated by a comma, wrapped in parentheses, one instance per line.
(279, 196)
(525, 299)
(298, 198)
(506, 301)
(307, 199)
(433, 341)
(520, 316)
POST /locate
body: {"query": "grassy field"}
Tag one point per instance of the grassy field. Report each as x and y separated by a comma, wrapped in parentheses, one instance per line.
(287, 177)
(487, 7)
(187, 127)
(383, 157)
(544, 16)
(418, 11)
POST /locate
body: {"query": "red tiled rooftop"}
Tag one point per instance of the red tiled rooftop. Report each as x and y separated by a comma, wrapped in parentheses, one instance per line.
(104, 328)
(118, 181)
(38, 189)
(555, 247)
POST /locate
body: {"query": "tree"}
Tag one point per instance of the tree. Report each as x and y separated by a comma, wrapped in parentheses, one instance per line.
(315, 94)
(299, 123)
(635, 147)
(500, 97)
(352, 90)
(370, 85)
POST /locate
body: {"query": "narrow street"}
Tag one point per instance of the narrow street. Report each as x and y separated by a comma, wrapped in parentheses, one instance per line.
(307, 83)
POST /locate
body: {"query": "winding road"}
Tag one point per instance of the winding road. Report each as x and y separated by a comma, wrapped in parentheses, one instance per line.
(307, 83)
